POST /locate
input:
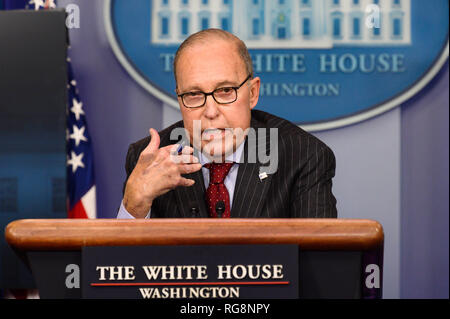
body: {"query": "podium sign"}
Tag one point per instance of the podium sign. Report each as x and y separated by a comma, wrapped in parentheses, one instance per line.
(191, 272)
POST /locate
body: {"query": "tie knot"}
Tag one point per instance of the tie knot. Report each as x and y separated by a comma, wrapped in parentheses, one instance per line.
(218, 171)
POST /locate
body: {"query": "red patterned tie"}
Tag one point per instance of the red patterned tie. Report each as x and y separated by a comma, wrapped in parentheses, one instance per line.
(217, 192)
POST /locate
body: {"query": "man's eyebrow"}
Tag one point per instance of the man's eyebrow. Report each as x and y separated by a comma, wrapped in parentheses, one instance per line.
(196, 88)
(227, 82)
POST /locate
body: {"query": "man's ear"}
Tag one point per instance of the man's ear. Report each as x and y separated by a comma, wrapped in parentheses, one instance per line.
(254, 91)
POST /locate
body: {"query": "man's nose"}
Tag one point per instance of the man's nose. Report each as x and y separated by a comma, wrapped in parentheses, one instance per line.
(211, 108)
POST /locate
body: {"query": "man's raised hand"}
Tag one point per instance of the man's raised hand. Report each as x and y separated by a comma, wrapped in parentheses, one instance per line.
(157, 171)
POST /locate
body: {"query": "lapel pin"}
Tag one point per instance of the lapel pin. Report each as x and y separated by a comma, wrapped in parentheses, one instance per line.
(262, 176)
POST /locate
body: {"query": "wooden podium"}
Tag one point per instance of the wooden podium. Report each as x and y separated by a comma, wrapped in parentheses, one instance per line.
(337, 257)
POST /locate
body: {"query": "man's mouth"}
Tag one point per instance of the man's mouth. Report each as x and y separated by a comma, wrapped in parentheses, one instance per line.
(214, 133)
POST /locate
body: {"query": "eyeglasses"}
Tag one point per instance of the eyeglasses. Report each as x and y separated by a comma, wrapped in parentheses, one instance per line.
(222, 95)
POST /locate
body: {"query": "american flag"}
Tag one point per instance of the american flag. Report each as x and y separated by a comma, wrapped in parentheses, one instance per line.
(80, 164)
(27, 4)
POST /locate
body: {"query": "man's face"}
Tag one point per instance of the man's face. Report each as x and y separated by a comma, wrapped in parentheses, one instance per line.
(206, 67)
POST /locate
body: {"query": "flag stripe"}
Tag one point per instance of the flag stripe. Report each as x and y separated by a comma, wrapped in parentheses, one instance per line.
(89, 203)
(77, 211)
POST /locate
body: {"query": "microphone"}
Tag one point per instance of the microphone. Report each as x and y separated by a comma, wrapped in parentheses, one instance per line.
(220, 208)
(193, 210)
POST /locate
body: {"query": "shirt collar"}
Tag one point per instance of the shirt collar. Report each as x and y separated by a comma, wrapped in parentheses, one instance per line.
(235, 157)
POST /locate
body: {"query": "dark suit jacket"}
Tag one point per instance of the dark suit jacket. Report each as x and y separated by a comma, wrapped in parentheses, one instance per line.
(300, 188)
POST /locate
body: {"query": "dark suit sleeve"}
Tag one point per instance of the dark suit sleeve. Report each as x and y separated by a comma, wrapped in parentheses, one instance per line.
(130, 163)
(312, 196)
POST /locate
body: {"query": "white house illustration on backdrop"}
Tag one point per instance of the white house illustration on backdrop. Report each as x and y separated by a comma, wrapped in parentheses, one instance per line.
(285, 23)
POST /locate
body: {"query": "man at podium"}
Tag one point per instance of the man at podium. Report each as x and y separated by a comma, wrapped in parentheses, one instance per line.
(231, 160)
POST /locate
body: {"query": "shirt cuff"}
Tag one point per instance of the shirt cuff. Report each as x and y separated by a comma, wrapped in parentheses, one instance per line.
(123, 214)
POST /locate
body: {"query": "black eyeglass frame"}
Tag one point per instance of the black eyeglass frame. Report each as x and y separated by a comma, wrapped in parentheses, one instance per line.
(205, 95)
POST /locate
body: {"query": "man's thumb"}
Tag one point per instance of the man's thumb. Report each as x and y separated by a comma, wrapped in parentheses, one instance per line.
(154, 142)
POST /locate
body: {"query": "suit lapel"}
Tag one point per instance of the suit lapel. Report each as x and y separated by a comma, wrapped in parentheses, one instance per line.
(188, 197)
(250, 191)
(193, 196)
